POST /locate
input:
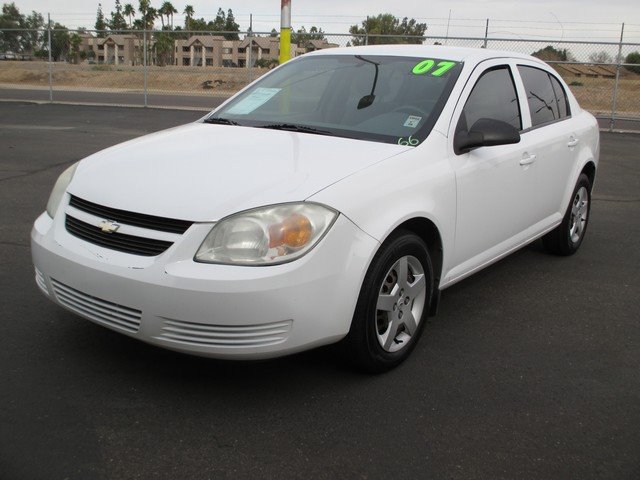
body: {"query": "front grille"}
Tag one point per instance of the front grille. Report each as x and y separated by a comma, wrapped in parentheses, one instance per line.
(151, 222)
(122, 242)
(97, 309)
(201, 334)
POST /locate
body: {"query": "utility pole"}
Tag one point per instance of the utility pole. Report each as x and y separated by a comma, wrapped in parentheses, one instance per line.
(49, 47)
(619, 60)
(285, 31)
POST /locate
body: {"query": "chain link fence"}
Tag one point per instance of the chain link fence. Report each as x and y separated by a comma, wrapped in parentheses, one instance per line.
(200, 69)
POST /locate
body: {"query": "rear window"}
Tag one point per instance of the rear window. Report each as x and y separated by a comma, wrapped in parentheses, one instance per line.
(547, 102)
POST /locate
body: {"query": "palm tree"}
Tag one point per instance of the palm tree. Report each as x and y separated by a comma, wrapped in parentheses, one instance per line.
(167, 9)
(129, 11)
(173, 10)
(189, 12)
(151, 15)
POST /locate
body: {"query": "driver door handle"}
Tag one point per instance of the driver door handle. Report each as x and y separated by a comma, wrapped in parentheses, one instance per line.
(572, 142)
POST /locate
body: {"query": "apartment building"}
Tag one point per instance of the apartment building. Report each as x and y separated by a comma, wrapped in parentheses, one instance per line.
(196, 51)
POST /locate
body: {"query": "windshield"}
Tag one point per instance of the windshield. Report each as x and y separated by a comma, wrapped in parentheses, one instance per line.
(387, 99)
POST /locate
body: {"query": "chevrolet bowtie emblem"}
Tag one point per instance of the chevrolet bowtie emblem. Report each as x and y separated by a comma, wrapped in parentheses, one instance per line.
(107, 226)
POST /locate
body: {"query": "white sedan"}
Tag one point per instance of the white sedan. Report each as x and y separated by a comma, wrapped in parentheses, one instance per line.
(331, 200)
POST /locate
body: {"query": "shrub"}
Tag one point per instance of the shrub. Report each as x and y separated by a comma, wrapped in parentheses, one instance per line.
(633, 57)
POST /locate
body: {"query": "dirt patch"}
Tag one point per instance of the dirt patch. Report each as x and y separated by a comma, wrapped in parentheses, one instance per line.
(109, 77)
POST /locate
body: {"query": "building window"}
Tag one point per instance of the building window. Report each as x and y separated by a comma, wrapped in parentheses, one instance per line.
(227, 50)
(209, 62)
(185, 49)
(185, 62)
(265, 51)
(242, 50)
(100, 47)
(209, 49)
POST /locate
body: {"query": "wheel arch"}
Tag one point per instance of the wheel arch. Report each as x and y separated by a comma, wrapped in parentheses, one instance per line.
(430, 234)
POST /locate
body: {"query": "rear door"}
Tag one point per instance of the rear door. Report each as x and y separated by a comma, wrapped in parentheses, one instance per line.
(552, 136)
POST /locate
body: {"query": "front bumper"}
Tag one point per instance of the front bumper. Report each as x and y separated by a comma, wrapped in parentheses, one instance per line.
(217, 311)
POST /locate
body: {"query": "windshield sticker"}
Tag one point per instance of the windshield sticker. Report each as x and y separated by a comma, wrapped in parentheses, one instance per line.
(409, 141)
(426, 66)
(255, 99)
(412, 121)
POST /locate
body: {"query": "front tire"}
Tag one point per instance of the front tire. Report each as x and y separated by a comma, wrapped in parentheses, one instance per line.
(567, 237)
(393, 304)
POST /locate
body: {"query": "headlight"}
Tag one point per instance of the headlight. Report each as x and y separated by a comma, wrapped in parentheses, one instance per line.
(267, 235)
(59, 188)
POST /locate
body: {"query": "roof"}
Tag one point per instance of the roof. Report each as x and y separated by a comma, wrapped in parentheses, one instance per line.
(458, 54)
(587, 70)
(319, 44)
(262, 42)
(117, 38)
(206, 40)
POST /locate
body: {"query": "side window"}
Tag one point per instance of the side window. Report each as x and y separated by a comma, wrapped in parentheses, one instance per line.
(547, 103)
(561, 96)
(493, 96)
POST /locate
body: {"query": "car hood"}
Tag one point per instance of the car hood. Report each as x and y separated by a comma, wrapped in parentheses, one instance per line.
(203, 172)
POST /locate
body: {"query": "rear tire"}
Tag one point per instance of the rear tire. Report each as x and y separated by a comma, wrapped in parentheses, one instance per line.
(567, 237)
(393, 304)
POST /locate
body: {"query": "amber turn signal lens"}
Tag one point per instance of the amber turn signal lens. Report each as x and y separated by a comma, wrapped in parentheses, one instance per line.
(295, 231)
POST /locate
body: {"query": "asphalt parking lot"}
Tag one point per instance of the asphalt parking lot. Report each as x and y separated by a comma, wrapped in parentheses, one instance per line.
(530, 371)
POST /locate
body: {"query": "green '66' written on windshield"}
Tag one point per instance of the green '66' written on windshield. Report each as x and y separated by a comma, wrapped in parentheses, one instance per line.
(435, 68)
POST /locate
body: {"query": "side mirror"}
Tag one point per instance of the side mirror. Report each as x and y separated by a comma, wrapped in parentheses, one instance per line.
(486, 132)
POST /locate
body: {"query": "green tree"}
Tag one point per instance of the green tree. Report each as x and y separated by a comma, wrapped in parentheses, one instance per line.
(551, 54)
(387, 24)
(60, 42)
(33, 37)
(11, 18)
(200, 25)
(163, 48)
(100, 24)
(117, 22)
(230, 25)
(302, 36)
(633, 57)
(75, 41)
(220, 21)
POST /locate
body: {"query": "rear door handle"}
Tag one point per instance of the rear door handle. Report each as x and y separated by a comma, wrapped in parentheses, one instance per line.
(573, 142)
(527, 159)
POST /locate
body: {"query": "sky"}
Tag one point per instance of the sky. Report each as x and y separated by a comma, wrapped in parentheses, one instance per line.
(531, 19)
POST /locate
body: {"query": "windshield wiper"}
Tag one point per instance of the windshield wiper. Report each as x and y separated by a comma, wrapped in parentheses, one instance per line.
(220, 120)
(290, 127)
